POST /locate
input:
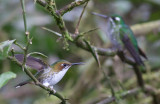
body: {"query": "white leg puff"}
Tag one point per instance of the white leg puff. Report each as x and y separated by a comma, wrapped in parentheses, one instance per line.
(46, 84)
(54, 91)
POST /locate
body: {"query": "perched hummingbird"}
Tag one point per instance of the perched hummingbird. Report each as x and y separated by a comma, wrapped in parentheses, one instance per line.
(48, 75)
(122, 37)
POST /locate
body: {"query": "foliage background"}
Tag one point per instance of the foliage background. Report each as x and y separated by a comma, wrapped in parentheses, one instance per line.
(83, 84)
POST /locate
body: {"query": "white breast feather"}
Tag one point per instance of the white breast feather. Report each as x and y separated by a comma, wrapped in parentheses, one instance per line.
(54, 79)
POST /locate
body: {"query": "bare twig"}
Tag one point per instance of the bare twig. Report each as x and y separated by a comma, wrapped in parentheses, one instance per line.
(77, 30)
(24, 15)
(132, 92)
(83, 33)
(56, 33)
(17, 44)
(25, 49)
(41, 2)
(70, 6)
(65, 9)
(110, 84)
(125, 94)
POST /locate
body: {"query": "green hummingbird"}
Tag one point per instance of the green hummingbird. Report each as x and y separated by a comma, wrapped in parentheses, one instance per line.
(122, 37)
(48, 75)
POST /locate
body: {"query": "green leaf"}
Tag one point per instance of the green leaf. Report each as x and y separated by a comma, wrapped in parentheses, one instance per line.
(5, 77)
(93, 51)
(4, 48)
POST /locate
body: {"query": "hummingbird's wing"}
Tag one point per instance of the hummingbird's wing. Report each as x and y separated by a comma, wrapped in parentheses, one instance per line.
(132, 50)
(32, 62)
(126, 30)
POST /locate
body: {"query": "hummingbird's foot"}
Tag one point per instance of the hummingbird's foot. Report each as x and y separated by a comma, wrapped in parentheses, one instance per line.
(51, 87)
(54, 91)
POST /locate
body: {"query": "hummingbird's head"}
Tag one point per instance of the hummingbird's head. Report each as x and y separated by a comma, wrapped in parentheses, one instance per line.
(62, 65)
(117, 19)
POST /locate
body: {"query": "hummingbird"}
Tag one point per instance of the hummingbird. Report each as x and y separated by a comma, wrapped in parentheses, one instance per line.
(48, 75)
(122, 37)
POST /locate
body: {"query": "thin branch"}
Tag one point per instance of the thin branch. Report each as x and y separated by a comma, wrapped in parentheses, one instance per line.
(100, 51)
(17, 44)
(110, 85)
(125, 94)
(77, 27)
(56, 33)
(86, 32)
(70, 6)
(132, 92)
(41, 2)
(65, 9)
(25, 49)
(24, 15)
(55, 6)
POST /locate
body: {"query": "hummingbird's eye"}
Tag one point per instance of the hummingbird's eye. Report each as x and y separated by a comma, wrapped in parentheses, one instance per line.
(116, 18)
(64, 65)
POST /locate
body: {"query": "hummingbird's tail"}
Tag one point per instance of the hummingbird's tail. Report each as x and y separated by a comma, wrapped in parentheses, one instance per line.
(23, 83)
(142, 53)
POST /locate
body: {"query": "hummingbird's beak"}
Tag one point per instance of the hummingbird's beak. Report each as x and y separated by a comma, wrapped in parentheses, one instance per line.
(100, 15)
(80, 63)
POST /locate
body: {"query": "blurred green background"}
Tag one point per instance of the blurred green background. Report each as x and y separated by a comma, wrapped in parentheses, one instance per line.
(82, 84)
